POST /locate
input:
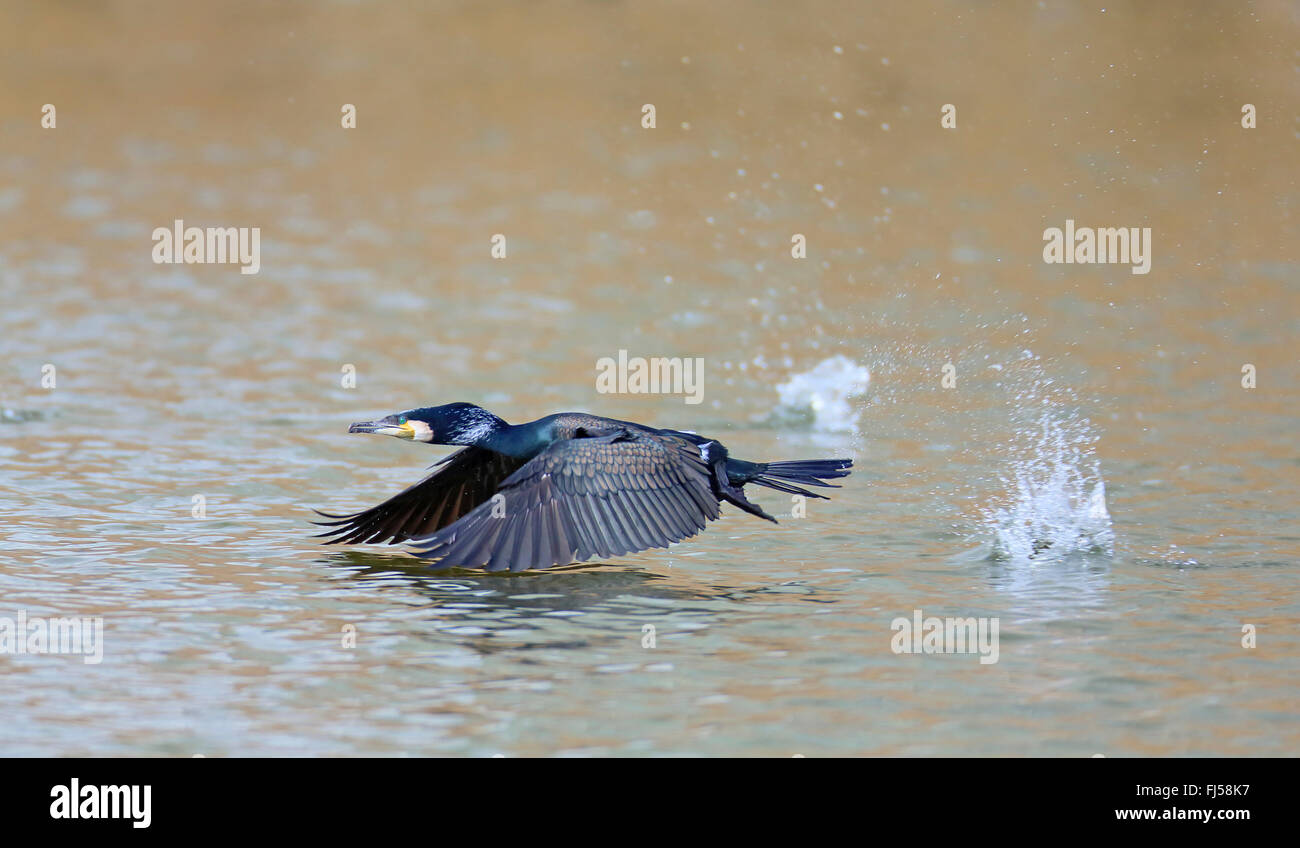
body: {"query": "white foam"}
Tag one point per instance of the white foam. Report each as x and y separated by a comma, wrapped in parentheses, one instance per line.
(824, 394)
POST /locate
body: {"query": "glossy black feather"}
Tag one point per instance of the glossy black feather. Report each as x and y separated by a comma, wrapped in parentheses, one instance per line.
(583, 498)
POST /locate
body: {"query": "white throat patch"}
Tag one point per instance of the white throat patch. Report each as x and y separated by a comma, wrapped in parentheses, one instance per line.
(420, 432)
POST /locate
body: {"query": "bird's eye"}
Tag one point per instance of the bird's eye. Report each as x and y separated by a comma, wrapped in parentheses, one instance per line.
(402, 420)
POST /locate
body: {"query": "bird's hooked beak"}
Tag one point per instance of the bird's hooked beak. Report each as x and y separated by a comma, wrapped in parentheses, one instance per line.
(389, 426)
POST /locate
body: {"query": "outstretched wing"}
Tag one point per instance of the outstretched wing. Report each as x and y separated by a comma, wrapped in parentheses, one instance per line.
(583, 498)
(461, 482)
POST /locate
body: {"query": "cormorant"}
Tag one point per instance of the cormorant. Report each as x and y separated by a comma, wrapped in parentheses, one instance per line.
(561, 489)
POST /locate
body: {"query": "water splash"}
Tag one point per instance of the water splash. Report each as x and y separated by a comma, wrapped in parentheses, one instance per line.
(1057, 498)
(822, 395)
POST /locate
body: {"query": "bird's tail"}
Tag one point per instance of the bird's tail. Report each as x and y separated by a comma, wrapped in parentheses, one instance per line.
(810, 472)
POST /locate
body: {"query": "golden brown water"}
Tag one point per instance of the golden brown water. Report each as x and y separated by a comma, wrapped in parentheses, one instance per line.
(223, 635)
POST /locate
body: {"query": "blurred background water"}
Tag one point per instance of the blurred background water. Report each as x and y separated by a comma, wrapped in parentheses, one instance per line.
(1097, 478)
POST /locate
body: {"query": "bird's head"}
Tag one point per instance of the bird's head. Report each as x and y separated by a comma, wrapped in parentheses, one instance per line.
(451, 424)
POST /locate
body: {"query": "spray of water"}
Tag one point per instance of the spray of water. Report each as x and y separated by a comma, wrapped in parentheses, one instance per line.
(1048, 500)
(1056, 495)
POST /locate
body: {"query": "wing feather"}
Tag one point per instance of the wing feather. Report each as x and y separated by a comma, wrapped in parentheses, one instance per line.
(583, 498)
(461, 483)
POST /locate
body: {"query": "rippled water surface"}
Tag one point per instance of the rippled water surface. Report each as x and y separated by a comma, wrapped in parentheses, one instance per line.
(1094, 476)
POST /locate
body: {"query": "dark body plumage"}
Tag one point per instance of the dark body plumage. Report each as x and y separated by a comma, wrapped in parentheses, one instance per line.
(564, 488)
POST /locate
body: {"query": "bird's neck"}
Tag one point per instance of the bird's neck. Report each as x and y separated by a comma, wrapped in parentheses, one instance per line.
(523, 441)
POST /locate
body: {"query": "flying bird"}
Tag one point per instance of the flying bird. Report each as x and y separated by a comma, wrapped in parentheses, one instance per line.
(565, 488)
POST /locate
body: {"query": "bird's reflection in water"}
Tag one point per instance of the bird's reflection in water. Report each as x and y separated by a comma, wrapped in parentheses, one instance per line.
(584, 605)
